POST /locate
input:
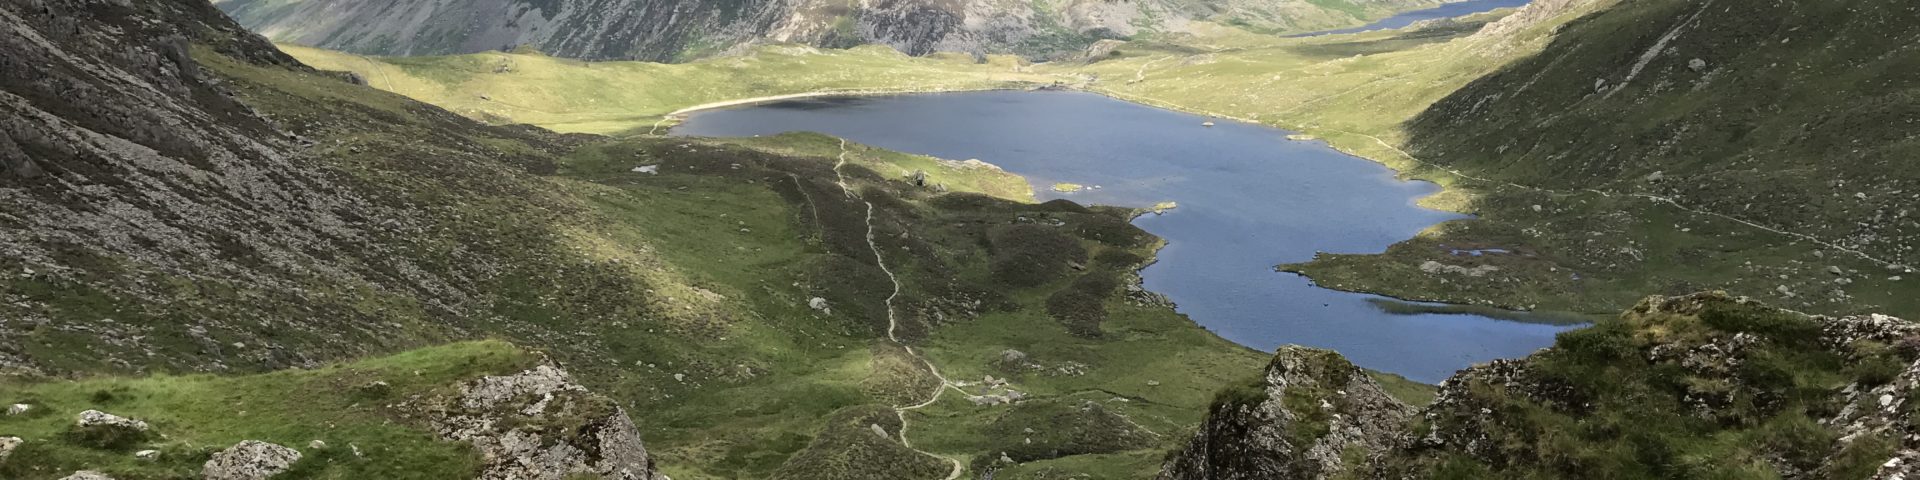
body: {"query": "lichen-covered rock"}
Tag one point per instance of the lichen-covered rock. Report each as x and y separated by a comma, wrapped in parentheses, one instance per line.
(540, 424)
(7, 444)
(99, 429)
(96, 418)
(249, 460)
(1295, 422)
(87, 475)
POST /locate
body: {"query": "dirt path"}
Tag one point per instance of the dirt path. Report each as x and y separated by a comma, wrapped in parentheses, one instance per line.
(893, 321)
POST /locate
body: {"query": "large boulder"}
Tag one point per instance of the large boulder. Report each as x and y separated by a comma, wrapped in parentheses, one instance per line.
(99, 429)
(541, 425)
(249, 460)
(1296, 421)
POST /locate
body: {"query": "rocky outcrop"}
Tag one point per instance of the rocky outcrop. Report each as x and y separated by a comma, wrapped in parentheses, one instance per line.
(1298, 421)
(249, 460)
(678, 29)
(1693, 368)
(540, 424)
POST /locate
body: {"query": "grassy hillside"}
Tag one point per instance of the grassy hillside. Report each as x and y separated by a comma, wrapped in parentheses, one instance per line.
(361, 223)
(613, 97)
(1505, 119)
(193, 416)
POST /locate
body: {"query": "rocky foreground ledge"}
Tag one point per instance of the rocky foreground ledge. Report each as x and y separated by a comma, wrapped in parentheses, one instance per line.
(1676, 387)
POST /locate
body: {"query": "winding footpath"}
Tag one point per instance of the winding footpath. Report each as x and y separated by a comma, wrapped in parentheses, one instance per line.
(893, 322)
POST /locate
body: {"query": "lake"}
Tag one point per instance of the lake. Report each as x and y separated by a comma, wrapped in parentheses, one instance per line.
(1248, 198)
(1404, 19)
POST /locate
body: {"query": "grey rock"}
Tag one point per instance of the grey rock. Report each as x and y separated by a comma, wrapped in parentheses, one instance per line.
(510, 420)
(148, 455)
(1247, 441)
(249, 460)
(1697, 65)
(87, 475)
(7, 444)
(18, 409)
(99, 419)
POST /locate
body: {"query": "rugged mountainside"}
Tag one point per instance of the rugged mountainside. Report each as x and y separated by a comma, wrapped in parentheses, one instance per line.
(245, 255)
(1699, 386)
(1758, 147)
(1793, 117)
(682, 29)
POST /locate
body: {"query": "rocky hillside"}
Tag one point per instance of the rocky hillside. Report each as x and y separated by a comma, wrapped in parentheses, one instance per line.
(682, 29)
(1730, 106)
(1698, 386)
(201, 234)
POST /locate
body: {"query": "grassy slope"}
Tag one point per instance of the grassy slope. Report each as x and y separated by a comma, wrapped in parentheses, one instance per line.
(1659, 393)
(611, 97)
(683, 295)
(1525, 164)
(202, 414)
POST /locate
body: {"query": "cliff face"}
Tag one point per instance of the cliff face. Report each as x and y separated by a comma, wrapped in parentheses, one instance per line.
(680, 29)
(1675, 388)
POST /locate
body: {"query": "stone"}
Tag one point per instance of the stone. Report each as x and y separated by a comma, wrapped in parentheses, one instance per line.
(1696, 64)
(147, 455)
(647, 169)
(820, 304)
(7, 444)
(18, 409)
(540, 424)
(317, 445)
(87, 475)
(1835, 270)
(882, 432)
(99, 419)
(249, 460)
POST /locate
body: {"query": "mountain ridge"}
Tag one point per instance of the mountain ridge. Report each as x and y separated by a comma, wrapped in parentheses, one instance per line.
(686, 29)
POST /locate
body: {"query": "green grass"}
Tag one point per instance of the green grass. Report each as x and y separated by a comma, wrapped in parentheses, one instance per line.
(682, 294)
(613, 97)
(193, 416)
(1641, 417)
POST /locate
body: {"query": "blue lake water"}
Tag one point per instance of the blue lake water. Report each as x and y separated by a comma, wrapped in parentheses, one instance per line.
(1404, 19)
(1248, 198)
